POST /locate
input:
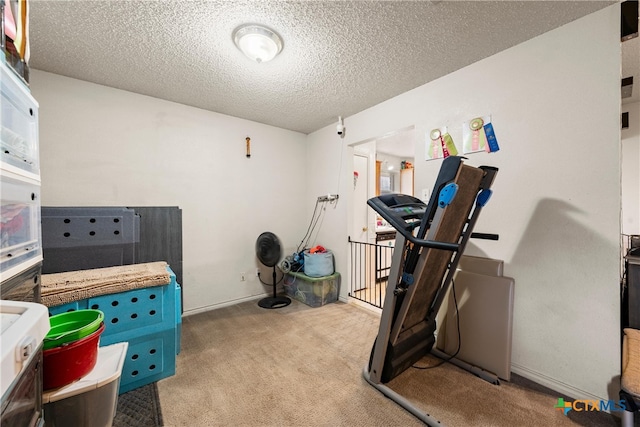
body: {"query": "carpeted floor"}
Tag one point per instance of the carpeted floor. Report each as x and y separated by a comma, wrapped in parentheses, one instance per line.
(246, 366)
(139, 408)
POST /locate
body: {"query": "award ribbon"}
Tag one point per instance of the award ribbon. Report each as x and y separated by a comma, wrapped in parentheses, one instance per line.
(445, 141)
(451, 146)
(492, 142)
(445, 152)
(475, 126)
(435, 138)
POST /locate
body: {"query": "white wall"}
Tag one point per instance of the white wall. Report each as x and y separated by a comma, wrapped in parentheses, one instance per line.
(555, 105)
(106, 147)
(631, 171)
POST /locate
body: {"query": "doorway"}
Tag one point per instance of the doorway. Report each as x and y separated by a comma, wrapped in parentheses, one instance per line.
(380, 165)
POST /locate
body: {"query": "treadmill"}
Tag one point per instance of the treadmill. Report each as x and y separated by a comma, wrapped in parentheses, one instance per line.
(430, 239)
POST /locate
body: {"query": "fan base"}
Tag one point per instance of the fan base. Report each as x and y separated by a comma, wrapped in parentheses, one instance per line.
(274, 302)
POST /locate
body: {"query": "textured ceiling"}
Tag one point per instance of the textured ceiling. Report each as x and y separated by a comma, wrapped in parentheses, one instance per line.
(339, 57)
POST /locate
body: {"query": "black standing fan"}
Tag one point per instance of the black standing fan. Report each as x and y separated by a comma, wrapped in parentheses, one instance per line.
(269, 252)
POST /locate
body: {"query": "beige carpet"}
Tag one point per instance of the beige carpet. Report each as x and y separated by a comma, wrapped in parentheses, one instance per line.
(302, 366)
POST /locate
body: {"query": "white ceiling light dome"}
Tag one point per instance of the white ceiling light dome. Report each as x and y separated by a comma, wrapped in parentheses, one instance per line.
(257, 42)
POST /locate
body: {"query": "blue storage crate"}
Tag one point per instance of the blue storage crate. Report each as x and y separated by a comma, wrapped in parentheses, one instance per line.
(72, 306)
(149, 319)
(150, 357)
(155, 307)
(178, 318)
(139, 308)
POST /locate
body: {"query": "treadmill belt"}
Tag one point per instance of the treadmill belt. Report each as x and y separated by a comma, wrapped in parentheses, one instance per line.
(429, 280)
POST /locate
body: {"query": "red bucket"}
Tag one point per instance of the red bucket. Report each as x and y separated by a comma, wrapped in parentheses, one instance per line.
(70, 362)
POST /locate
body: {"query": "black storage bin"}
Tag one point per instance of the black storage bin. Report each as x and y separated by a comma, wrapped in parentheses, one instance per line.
(82, 238)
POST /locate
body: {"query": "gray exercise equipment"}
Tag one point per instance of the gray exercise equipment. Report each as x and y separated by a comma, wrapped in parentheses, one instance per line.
(430, 240)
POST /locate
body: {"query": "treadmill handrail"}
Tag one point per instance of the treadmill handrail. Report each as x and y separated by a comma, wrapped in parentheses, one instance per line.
(429, 243)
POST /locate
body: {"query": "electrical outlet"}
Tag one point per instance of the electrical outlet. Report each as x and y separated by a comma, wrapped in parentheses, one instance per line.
(243, 277)
(425, 195)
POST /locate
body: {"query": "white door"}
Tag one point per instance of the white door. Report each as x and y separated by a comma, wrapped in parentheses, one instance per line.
(362, 217)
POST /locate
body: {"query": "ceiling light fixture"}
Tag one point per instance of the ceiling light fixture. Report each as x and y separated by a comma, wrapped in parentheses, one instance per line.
(257, 42)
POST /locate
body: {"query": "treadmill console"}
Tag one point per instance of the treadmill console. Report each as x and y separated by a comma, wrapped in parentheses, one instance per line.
(401, 211)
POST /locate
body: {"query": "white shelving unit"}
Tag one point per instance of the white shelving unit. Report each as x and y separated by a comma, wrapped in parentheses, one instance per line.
(20, 229)
(20, 249)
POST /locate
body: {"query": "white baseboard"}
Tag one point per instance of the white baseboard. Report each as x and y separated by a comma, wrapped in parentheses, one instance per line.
(361, 304)
(223, 304)
(553, 384)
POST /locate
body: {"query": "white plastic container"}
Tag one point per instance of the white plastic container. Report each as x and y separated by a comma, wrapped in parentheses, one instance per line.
(20, 231)
(313, 291)
(24, 326)
(92, 400)
(19, 124)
